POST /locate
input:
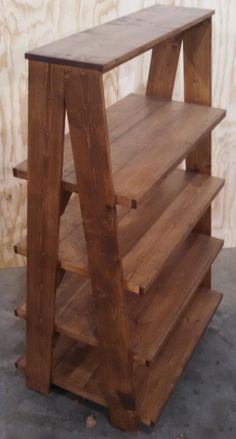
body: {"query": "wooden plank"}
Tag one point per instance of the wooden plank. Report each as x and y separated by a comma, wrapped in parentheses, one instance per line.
(45, 158)
(61, 346)
(156, 315)
(154, 386)
(198, 89)
(163, 68)
(154, 151)
(109, 45)
(153, 317)
(148, 235)
(159, 144)
(84, 98)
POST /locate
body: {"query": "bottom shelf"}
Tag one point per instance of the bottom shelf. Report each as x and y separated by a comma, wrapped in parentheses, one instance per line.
(76, 367)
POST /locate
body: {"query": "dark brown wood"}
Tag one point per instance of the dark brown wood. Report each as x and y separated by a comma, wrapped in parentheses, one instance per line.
(155, 385)
(85, 106)
(147, 236)
(198, 89)
(90, 336)
(45, 155)
(159, 134)
(109, 45)
(152, 318)
(78, 371)
(163, 68)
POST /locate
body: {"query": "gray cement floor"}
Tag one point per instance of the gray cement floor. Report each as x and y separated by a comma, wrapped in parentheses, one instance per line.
(202, 407)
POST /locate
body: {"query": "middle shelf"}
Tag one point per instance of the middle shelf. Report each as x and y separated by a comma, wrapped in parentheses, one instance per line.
(147, 236)
(153, 317)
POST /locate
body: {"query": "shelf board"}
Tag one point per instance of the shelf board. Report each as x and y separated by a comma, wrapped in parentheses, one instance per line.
(78, 369)
(145, 146)
(147, 236)
(109, 45)
(153, 389)
(153, 317)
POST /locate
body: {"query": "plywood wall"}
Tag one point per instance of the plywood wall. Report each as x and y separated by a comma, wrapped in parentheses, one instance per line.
(25, 24)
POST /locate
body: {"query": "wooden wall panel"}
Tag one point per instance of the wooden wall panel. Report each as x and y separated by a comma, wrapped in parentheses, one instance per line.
(27, 24)
(24, 25)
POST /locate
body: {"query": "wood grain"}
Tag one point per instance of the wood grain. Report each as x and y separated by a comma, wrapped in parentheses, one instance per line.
(198, 89)
(47, 21)
(153, 150)
(78, 371)
(152, 318)
(163, 68)
(107, 46)
(45, 157)
(85, 105)
(148, 235)
(154, 389)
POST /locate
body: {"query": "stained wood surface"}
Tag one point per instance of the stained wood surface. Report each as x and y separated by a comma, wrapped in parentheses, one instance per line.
(107, 46)
(85, 106)
(78, 371)
(147, 145)
(45, 156)
(198, 89)
(148, 235)
(43, 27)
(154, 389)
(153, 317)
(163, 68)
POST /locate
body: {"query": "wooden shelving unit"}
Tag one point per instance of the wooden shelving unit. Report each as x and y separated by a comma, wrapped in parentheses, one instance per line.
(119, 243)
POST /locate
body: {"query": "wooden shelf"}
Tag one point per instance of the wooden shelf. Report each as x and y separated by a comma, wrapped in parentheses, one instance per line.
(148, 236)
(145, 146)
(78, 369)
(97, 339)
(109, 45)
(151, 318)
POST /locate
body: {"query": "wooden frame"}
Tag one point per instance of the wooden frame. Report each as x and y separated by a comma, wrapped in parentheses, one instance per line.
(117, 366)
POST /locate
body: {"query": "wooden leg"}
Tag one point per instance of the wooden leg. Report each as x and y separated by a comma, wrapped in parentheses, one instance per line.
(198, 89)
(163, 68)
(89, 136)
(45, 160)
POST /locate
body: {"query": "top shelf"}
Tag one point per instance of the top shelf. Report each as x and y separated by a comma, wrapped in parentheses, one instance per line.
(107, 46)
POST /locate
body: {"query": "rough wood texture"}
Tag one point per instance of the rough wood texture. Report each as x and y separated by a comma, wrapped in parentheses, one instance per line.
(154, 389)
(114, 43)
(45, 155)
(147, 236)
(89, 137)
(163, 68)
(153, 243)
(153, 152)
(198, 89)
(43, 27)
(79, 370)
(151, 318)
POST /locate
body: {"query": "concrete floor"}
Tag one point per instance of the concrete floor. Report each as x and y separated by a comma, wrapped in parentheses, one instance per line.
(202, 407)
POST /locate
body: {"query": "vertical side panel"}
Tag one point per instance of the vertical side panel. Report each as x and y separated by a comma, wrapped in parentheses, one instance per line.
(198, 89)
(89, 136)
(45, 158)
(163, 68)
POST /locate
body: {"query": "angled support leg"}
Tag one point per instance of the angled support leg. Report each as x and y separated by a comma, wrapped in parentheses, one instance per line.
(85, 106)
(45, 160)
(163, 68)
(198, 89)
